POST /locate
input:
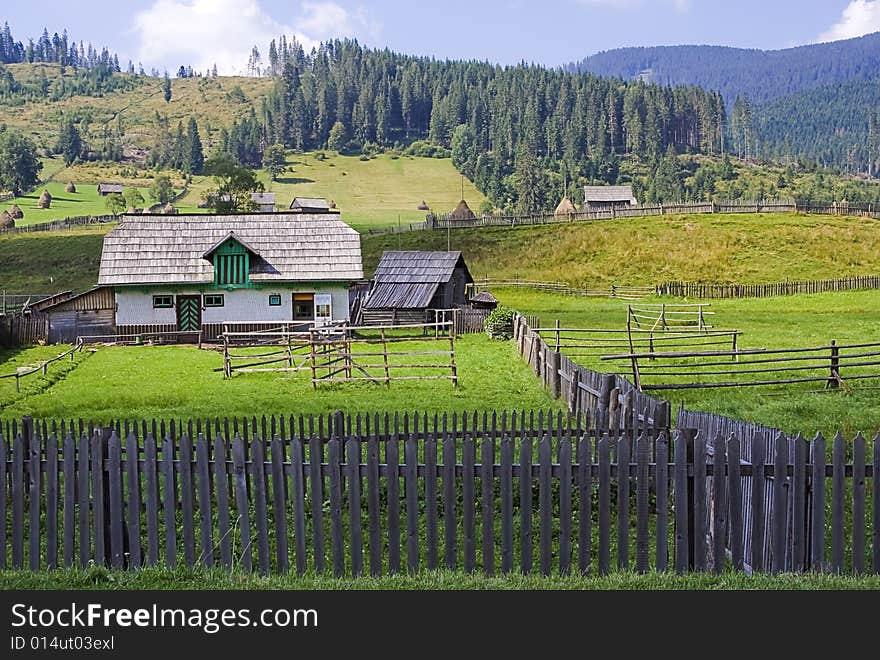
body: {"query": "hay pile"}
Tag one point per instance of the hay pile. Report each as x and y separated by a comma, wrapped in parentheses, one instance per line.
(70, 188)
(169, 209)
(45, 200)
(6, 221)
(16, 212)
(462, 212)
(566, 207)
(424, 206)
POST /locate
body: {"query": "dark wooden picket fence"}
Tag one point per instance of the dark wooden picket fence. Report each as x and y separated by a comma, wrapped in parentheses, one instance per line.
(708, 291)
(517, 493)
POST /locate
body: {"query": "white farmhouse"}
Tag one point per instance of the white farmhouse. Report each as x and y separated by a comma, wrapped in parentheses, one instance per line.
(191, 273)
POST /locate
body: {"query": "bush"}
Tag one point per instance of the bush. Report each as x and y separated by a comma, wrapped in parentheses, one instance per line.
(499, 324)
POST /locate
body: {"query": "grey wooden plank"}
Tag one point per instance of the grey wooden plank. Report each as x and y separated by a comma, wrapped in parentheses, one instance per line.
(838, 496)
(114, 476)
(799, 506)
(734, 497)
(334, 478)
(373, 505)
(661, 481)
(411, 493)
(243, 520)
(221, 487)
(69, 533)
(187, 509)
(4, 504)
(817, 505)
(169, 500)
(316, 500)
(355, 531)
(565, 453)
(51, 500)
(431, 533)
(875, 505)
(487, 502)
(525, 503)
(604, 505)
(585, 502)
(759, 485)
(18, 497)
(35, 491)
(505, 478)
(858, 505)
(468, 503)
(623, 500)
(261, 515)
(701, 513)
(151, 499)
(719, 505)
(450, 523)
(680, 476)
(392, 484)
(545, 504)
(206, 517)
(83, 482)
(98, 522)
(643, 458)
(297, 495)
(779, 509)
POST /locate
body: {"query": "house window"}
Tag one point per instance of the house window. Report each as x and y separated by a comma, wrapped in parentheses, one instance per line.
(304, 307)
(214, 300)
(163, 302)
(323, 308)
(275, 300)
(231, 269)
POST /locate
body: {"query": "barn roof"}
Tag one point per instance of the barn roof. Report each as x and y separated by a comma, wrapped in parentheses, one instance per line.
(146, 249)
(484, 297)
(263, 197)
(609, 194)
(310, 203)
(414, 266)
(110, 187)
(401, 295)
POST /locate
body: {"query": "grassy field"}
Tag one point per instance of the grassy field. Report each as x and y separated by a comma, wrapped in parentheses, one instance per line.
(783, 322)
(369, 193)
(172, 381)
(166, 579)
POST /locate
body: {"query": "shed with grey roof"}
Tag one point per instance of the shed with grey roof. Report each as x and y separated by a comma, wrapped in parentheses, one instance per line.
(408, 285)
(188, 273)
(598, 198)
(105, 189)
(312, 205)
(265, 201)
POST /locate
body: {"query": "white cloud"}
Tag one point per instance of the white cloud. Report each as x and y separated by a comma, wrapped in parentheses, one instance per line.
(860, 17)
(202, 33)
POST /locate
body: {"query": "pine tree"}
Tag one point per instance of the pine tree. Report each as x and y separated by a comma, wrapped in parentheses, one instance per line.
(166, 87)
(195, 158)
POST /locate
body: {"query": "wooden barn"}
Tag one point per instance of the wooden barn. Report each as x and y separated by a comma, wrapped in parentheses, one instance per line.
(603, 198)
(191, 273)
(408, 286)
(105, 189)
(90, 313)
(265, 201)
(311, 205)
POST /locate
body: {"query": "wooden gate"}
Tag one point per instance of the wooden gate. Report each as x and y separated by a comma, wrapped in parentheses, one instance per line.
(189, 313)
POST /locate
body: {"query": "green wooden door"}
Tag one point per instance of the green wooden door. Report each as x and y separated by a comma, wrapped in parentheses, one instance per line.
(189, 313)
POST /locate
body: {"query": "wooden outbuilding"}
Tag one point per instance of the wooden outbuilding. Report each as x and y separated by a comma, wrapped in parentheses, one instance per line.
(87, 314)
(409, 285)
(265, 201)
(601, 198)
(105, 189)
(312, 205)
(484, 300)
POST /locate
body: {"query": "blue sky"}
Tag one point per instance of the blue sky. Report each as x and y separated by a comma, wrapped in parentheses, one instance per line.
(167, 33)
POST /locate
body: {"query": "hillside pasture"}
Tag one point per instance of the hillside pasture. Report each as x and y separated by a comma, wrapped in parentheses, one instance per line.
(785, 322)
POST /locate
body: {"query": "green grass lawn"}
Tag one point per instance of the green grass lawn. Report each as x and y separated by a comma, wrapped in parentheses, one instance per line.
(165, 579)
(171, 381)
(783, 322)
(84, 202)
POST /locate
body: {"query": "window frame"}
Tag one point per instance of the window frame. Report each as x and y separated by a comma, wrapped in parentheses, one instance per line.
(274, 300)
(214, 295)
(158, 305)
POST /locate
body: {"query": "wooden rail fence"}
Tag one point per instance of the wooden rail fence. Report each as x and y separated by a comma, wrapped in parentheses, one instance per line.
(43, 367)
(708, 291)
(505, 496)
(60, 225)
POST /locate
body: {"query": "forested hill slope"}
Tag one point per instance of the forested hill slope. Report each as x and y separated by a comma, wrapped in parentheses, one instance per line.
(761, 74)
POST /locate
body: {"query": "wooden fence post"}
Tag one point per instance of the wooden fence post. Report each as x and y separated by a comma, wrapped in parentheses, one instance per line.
(555, 378)
(834, 379)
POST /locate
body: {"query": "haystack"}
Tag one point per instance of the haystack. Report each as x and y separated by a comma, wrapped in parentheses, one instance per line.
(6, 221)
(332, 204)
(45, 200)
(70, 188)
(566, 207)
(16, 212)
(169, 209)
(462, 212)
(424, 206)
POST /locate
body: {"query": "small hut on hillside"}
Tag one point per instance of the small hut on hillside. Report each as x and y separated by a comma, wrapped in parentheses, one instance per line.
(265, 201)
(16, 212)
(566, 207)
(105, 189)
(484, 300)
(45, 200)
(462, 212)
(169, 209)
(601, 198)
(70, 188)
(6, 221)
(312, 205)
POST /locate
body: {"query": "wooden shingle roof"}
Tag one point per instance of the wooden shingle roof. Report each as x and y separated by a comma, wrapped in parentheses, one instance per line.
(171, 249)
(609, 194)
(310, 203)
(414, 266)
(110, 187)
(263, 197)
